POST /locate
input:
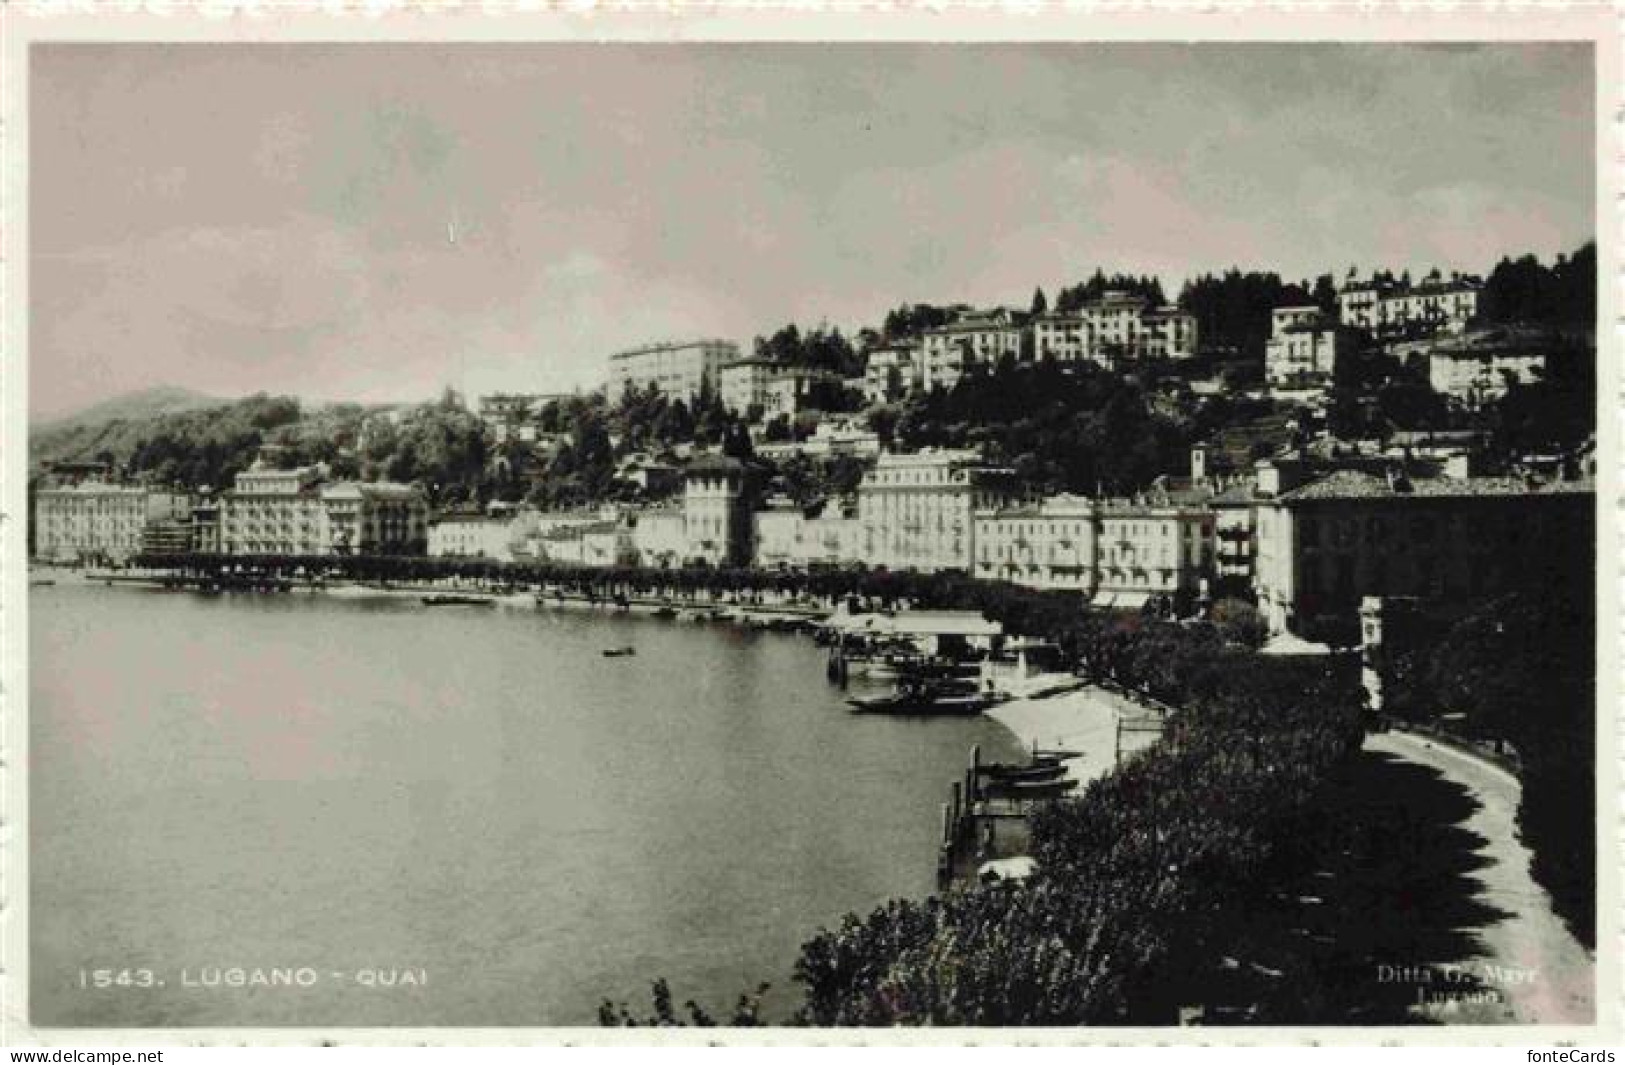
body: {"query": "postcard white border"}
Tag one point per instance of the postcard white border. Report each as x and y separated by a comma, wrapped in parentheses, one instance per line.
(22, 24)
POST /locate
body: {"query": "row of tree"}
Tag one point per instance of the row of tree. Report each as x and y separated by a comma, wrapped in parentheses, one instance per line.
(1522, 669)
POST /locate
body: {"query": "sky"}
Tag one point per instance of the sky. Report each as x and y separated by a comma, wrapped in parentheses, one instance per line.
(376, 222)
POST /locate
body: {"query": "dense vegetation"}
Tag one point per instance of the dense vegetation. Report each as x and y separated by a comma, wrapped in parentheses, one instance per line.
(1522, 669)
(1077, 429)
(822, 348)
(205, 446)
(1233, 309)
(1525, 290)
(1072, 298)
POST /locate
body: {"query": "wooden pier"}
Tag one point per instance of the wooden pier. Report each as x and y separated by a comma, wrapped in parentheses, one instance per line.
(980, 827)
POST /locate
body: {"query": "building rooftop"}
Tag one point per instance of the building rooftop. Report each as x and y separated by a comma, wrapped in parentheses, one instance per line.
(714, 463)
(918, 623)
(370, 489)
(671, 345)
(93, 488)
(1484, 342)
(1355, 484)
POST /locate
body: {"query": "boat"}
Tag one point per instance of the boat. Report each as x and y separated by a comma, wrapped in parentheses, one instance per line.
(1029, 789)
(923, 699)
(453, 599)
(904, 703)
(41, 582)
(663, 612)
(619, 652)
(1023, 773)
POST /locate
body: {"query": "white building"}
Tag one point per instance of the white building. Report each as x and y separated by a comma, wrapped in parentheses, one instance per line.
(917, 509)
(1385, 309)
(779, 535)
(743, 384)
(678, 369)
(376, 518)
(892, 372)
(1476, 368)
(1147, 550)
(1120, 554)
(975, 339)
(1049, 546)
(1116, 327)
(717, 521)
(275, 512)
(660, 537)
(493, 536)
(292, 512)
(793, 391)
(97, 521)
(1303, 346)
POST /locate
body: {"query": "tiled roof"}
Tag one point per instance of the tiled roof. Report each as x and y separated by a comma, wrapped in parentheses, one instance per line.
(1353, 484)
(715, 464)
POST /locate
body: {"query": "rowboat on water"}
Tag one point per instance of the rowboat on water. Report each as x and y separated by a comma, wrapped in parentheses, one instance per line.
(909, 704)
(453, 599)
(925, 698)
(619, 652)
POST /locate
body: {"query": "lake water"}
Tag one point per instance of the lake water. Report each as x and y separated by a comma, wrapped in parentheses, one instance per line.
(472, 795)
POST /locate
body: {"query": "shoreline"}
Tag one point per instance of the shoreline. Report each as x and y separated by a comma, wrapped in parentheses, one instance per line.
(1083, 719)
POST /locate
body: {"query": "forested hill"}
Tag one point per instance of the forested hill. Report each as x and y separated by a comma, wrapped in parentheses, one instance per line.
(204, 442)
(147, 403)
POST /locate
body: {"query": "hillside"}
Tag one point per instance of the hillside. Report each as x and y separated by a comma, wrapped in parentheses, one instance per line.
(146, 403)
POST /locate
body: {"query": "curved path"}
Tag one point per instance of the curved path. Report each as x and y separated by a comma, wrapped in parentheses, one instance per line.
(1539, 972)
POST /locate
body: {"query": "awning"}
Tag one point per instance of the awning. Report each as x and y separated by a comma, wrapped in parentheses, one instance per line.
(1131, 600)
(1103, 600)
(1288, 643)
(1019, 868)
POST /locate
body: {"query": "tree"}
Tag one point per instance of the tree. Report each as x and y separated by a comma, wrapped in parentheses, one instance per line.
(1040, 305)
(1522, 668)
(1240, 622)
(1233, 310)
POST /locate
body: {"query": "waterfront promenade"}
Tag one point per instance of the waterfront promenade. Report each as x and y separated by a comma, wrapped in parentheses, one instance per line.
(1530, 967)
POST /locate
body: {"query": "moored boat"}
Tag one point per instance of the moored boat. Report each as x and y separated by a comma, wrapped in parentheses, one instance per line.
(455, 599)
(1029, 789)
(924, 699)
(619, 652)
(1022, 773)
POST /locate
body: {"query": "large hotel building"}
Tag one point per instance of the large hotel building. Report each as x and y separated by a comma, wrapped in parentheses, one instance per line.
(94, 521)
(290, 512)
(1324, 546)
(917, 510)
(678, 369)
